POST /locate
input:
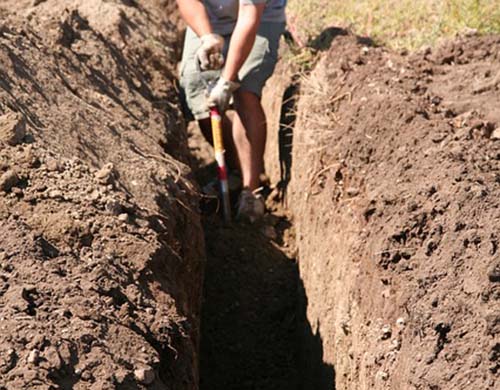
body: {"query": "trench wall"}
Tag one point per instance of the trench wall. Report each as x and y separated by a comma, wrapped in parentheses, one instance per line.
(386, 156)
(101, 246)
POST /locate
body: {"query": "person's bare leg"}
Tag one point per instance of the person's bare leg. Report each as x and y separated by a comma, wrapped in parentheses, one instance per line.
(249, 132)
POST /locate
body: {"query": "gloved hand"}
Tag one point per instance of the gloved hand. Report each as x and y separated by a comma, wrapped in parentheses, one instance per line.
(209, 55)
(221, 93)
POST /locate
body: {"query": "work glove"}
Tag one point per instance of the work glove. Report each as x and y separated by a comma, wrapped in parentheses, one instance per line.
(209, 54)
(221, 93)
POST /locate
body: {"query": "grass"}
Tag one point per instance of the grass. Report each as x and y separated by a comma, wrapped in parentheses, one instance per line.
(397, 23)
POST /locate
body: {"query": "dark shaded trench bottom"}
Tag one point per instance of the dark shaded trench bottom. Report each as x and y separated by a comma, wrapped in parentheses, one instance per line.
(254, 329)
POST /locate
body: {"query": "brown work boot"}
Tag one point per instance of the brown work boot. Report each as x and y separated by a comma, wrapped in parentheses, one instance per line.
(251, 206)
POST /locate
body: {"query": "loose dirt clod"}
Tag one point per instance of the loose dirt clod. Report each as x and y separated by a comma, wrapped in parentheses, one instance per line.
(495, 135)
(124, 217)
(494, 272)
(145, 375)
(106, 174)
(401, 322)
(386, 332)
(8, 180)
(33, 356)
(12, 128)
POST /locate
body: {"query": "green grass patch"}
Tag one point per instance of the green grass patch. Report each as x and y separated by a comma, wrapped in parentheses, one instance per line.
(397, 23)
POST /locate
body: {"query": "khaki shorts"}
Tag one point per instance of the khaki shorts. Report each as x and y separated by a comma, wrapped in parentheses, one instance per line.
(253, 75)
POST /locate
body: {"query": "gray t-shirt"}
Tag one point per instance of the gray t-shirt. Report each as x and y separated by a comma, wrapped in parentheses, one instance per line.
(223, 13)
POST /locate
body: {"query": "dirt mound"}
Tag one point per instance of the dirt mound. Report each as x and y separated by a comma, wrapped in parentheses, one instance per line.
(395, 195)
(101, 247)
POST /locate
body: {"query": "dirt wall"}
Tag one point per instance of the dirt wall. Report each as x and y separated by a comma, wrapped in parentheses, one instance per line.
(101, 248)
(394, 191)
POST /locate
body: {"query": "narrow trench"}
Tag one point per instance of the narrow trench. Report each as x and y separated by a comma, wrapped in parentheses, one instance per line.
(250, 315)
(254, 329)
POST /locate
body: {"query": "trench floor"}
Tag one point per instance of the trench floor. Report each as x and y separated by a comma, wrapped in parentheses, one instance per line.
(250, 316)
(249, 313)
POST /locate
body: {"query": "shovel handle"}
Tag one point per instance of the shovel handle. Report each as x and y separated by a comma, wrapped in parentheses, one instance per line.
(216, 121)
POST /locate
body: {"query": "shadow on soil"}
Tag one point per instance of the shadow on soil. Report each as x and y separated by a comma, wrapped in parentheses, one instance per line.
(255, 333)
(315, 373)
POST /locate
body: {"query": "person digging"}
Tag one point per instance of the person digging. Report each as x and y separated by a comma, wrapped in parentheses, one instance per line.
(236, 42)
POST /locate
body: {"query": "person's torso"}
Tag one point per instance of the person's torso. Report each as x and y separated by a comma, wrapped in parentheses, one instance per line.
(223, 13)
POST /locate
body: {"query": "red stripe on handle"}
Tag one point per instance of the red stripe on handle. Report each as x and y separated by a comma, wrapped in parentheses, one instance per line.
(222, 172)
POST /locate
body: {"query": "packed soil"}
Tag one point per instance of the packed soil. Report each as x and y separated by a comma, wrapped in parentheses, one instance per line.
(395, 192)
(101, 246)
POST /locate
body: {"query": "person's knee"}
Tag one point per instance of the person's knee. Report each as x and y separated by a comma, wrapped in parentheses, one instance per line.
(246, 100)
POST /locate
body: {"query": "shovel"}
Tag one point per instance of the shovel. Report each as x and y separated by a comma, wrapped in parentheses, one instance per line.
(216, 121)
(218, 142)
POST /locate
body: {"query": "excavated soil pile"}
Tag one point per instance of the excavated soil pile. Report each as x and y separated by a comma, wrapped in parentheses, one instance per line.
(101, 253)
(395, 191)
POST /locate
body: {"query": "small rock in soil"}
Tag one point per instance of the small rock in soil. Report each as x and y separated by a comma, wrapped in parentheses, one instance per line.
(86, 376)
(492, 324)
(12, 128)
(95, 196)
(344, 325)
(124, 217)
(106, 174)
(145, 375)
(8, 180)
(52, 357)
(55, 194)
(382, 375)
(352, 191)
(495, 134)
(475, 360)
(17, 191)
(114, 207)
(53, 165)
(8, 361)
(120, 375)
(401, 322)
(65, 353)
(396, 344)
(386, 332)
(494, 273)
(33, 356)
